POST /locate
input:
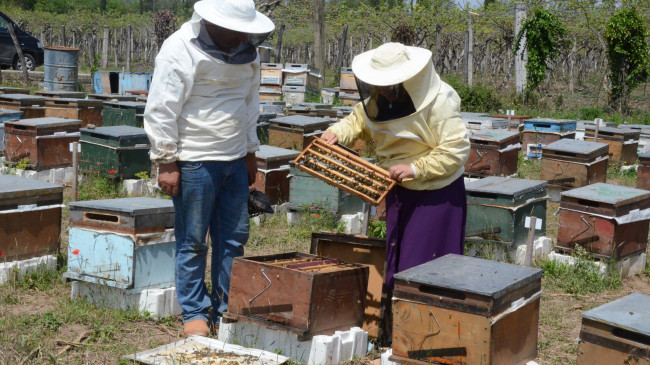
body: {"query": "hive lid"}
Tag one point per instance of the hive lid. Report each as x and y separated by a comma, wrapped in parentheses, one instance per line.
(23, 98)
(550, 121)
(134, 206)
(62, 93)
(112, 97)
(119, 136)
(471, 275)
(271, 153)
(645, 155)
(12, 186)
(631, 313)
(47, 122)
(488, 189)
(78, 101)
(13, 90)
(6, 114)
(608, 194)
(628, 133)
(577, 146)
(465, 115)
(126, 104)
(495, 135)
(302, 120)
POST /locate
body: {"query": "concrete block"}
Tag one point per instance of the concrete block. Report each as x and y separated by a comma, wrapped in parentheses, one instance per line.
(18, 269)
(353, 222)
(626, 267)
(580, 135)
(133, 187)
(385, 356)
(158, 302)
(320, 350)
(541, 248)
(553, 193)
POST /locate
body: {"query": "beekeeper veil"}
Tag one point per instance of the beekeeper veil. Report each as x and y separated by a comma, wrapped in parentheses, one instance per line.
(395, 81)
(237, 15)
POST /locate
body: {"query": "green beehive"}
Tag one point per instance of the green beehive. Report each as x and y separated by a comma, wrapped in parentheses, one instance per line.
(498, 206)
(306, 191)
(114, 152)
(124, 113)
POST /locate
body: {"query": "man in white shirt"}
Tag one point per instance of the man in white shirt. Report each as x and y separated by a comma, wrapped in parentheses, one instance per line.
(201, 119)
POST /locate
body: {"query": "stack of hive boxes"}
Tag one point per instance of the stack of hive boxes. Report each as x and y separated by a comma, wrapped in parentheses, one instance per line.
(300, 82)
(271, 82)
(349, 91)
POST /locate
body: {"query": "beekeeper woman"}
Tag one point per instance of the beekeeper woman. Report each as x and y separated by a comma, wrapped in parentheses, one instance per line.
(414, 119)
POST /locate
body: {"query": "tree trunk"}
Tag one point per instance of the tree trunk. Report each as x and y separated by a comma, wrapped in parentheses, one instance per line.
(19, 50)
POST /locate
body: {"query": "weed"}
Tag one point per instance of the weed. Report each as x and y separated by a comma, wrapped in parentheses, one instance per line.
(620, 176)
(528, 168)
(478, 98)
(143, 175)
(23, 164)
(581, 277)
(377, 229)
(98, 187)
(40, 280)
(50, 321)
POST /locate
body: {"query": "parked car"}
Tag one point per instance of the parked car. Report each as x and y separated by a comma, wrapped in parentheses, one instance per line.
(31, 46)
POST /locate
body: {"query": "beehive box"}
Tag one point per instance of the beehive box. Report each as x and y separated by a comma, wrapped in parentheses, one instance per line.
(464, 310)
(114, 152)
(296, 131)
(262, 130)
(112, 97)
(369, 251)
(484, 123)
(623, 143)
(299, 74)
(493, 152)
(88, 111)
(30, 218)
(348, 81)
(543, 131)
(272, 107)
(329, 95)
(306, 294)
(268, 94)
(572, 163)
(129, 113)
(45, 142)
(312, 111)
(30, 105)
(297, 94)
(617, 332)
(126, 243)
(271, 74)
(644, 136)
(349, 97)
(497, 208)
(6, 115)
(643, 172)
(345, 170)
(273, 165)
(605, 220)
(13, 90)
(61, 94)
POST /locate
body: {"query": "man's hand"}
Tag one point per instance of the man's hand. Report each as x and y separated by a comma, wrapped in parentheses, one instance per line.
(400, 172)
(329, 137)
(251, 167)
(169, 178)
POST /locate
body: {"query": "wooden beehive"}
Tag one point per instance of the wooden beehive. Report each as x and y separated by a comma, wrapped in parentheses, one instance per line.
(543, 131)
(272, 107)
(497, 208)
(643, 172)
(13, 90)
(296, 131)
(623, 142)
(362, 250)
(43, 141)
(493, 152)
(114, 152)
(128, 113)
(30, 218)
(61, 94)
(464, 310)
(6, 115)
(571, 163)
(269, 94)
(345, 170)
(348, 81)
(617, 332)
(273, 166)
(30, 105)
(299, 74)
(271, 74)
(349, 97)
(597, 217)
(302, 293)
(312, 111)
(473, 122)
(86, 110)
(126, 243)
(112, 97)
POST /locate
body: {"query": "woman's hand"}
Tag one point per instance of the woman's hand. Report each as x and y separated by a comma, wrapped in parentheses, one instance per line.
(400, 172)
(330, 137)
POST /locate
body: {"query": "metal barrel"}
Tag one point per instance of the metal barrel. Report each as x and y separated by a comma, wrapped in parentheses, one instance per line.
(61, 68)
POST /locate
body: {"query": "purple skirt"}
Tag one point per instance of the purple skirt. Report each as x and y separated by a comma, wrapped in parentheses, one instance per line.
(423, 225)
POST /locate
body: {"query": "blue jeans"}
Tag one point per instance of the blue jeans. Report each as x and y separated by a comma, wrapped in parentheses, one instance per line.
(212, 194)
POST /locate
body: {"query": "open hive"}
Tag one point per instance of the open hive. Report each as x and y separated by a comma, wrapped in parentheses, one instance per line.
(345, 170)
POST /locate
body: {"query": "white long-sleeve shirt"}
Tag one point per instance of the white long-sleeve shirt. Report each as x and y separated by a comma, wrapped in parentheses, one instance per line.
(200, 108)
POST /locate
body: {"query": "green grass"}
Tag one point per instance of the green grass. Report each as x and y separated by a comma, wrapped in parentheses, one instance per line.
(618, 176)
(528, 168)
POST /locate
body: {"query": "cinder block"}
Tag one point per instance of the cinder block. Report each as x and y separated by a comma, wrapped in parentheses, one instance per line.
(18, 269)
(626, 267)
(541, 248)
(353, 222)
(385, 356)
(133, 187)
(158, 302)
(320, 350)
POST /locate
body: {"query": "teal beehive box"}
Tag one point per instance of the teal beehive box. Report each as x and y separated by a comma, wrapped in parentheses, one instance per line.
(129, 113)
(309, 192)
(497, 208)
(114, 152)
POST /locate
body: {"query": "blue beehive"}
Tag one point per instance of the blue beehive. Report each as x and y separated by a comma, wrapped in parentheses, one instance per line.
(125, 243)
(4, 116)
(550, 125)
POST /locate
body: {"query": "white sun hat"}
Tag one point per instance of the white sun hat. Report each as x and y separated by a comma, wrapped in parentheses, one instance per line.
(390, 64)
(238, 15)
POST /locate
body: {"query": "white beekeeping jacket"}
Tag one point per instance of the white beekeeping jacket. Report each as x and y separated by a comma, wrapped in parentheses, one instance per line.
(200, 108)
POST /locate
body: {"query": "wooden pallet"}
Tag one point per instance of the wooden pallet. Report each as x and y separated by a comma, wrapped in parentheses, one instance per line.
(346, 171)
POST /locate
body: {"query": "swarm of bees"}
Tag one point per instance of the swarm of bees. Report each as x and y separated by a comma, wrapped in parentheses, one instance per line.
(344, 173)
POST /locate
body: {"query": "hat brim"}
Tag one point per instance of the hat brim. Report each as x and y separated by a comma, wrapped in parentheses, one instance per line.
(259, 25)
(364, 71)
